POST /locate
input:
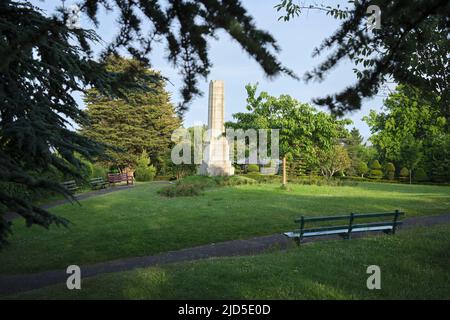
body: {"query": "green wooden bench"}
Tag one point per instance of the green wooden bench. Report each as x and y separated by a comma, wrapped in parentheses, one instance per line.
(351, 226)
(98, 183)
(70, 186)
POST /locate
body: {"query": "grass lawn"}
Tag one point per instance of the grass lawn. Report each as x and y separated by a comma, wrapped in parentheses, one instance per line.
(414, 265)
(138, 221)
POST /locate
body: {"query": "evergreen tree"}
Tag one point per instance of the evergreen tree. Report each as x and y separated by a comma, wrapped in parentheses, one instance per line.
(139, 121)
(354, 146)
(375, 171)
(390, 171)
(144, 170)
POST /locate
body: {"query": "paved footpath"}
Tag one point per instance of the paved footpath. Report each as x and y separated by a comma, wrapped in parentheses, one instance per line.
(10, 284)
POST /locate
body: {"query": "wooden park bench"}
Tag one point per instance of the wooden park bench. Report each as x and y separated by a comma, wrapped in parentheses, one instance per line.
(70, 186)
(114, 178)
(355, 222)
(98, 183)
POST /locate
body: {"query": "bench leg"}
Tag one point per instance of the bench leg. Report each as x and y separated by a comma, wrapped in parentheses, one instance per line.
(345, 236)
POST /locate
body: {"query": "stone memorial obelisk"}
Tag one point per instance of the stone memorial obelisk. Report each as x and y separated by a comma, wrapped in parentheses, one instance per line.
(216, 155)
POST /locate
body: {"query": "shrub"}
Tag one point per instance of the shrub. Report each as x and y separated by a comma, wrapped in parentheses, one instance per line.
(144, 171)
(181, 190)
(420, 175)
(252, 168)
(362, 168)
(99, 171)
(200, 181)
(193, 185)
(233, 180)
(322, 181)
(261, 178)
(376, 166)
(376, 174)
(390, 171)
(404, 173)
(163, 178)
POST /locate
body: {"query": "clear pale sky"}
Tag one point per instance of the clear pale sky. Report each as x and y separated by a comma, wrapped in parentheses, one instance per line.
(297, 40)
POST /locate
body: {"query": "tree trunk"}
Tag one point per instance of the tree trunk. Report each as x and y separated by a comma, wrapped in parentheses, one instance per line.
(284, 171)
(410, 174)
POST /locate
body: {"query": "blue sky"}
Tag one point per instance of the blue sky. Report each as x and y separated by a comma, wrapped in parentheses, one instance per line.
(297, 40)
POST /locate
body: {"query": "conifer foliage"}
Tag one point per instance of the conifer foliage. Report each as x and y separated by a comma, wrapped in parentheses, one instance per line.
(410, 46)
(141, 121)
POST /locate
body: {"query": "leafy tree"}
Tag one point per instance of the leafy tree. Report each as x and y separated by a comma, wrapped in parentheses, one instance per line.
(363, 168)
(411, 153)
(420, 175)
(437, 157)
(409, 117)
(333, 160)
(44, 61)
(411, 47)
(303, 130)
(406, 114)
(139, 121)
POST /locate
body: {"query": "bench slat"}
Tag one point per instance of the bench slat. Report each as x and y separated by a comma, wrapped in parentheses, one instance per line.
(326, 218)
(376, 215)
(70, 185)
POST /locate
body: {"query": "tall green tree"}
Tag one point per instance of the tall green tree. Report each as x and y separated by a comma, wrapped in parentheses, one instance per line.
(303, 129)
(333, 160)
(140, 121)
(409, 117)
(353, 146)
(44, 60)
(411, 154)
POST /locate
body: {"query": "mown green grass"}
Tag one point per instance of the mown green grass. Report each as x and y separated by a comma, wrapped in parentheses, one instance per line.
(138, 221)
(414, 265)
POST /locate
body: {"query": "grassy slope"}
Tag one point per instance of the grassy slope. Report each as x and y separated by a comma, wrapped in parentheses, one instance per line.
(138, 221)
(414, 265)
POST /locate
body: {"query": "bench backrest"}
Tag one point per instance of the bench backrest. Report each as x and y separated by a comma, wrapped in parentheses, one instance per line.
(117, 177)
(349, 221)
(97, 180)
(70, 185)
